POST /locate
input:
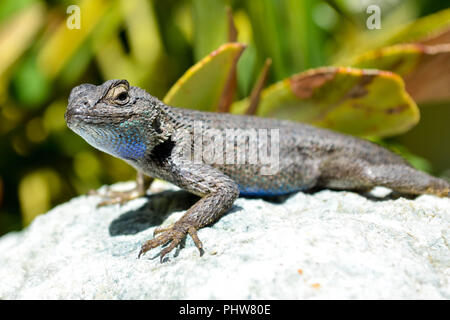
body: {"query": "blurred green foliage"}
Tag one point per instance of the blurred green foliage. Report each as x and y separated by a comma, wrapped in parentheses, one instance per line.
(152, 43)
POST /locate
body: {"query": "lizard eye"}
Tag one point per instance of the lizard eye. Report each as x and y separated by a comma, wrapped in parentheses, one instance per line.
(118, 95)
(122, 97)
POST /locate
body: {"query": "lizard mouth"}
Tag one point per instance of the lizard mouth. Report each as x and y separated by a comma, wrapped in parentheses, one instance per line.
(78, 118)
(73, 118)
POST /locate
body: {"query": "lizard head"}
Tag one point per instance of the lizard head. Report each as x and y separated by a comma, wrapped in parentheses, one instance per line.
(116, 118)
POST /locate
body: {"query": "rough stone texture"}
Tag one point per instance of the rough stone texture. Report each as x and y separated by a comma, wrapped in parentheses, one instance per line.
(324, 245)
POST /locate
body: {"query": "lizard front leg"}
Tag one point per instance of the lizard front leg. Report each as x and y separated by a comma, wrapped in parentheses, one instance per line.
(218, 193)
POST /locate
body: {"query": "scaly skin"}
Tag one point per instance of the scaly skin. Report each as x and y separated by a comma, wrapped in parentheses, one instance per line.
(130, 124)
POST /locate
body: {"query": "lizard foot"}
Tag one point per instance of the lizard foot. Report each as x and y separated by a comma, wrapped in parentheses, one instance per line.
(173, 234)
(143, 182)
(113, 197)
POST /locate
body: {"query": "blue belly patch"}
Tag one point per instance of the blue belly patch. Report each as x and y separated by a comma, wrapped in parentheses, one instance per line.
(260, 192)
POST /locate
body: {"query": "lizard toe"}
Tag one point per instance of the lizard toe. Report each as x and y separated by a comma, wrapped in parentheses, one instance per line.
(169, 248)
(159, 230)
(153, 243)
(173, 234)
(193, 233)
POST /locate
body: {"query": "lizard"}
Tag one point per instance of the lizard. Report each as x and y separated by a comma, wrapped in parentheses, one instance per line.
(129, 123)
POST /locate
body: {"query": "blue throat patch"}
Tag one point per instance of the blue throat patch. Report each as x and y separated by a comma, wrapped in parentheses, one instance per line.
(127, 143)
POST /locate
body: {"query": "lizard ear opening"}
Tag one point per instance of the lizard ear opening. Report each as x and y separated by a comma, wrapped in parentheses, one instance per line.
(157, 126)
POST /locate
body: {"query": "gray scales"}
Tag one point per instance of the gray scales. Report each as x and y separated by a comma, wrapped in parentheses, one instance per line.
(129, 123)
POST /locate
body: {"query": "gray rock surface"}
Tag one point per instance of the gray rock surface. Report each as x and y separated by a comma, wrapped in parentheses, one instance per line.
(326, 245)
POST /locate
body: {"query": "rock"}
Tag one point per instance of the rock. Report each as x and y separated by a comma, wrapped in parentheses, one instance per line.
(323, 245)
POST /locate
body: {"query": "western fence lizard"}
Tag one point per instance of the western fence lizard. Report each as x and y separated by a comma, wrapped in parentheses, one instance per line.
(220, 156)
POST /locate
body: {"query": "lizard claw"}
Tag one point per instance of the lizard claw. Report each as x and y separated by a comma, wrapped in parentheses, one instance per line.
(173, 234)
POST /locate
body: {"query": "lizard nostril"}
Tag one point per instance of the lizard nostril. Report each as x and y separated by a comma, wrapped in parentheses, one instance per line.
(86, 104)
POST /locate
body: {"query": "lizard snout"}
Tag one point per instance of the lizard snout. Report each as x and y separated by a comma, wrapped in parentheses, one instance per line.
(82, 99)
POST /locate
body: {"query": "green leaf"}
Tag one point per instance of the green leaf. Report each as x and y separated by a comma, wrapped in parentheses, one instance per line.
(32, 88)
(17, 34)
(63, 43)
(429, 30)
(425, 69)
(210, 26)
(142, 31)
(270, 39)
(305, 38)
(11, 7)
(355, 101)
(432, 29)
(202, 86)
(128, 38)
(285, 31)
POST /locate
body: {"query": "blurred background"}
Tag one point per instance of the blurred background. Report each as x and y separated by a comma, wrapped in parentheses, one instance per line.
(152, 43)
